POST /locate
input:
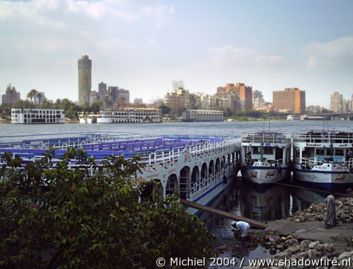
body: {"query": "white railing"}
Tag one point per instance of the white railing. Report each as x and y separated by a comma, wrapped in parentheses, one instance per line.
(324, 138)
(310, 162)
(270, 163)
(263, 137)
(162, 156)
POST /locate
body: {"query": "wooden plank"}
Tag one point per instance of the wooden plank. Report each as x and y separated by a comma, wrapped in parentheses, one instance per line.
(222, 213)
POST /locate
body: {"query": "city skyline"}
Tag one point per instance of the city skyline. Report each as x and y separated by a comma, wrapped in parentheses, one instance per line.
(144, 45)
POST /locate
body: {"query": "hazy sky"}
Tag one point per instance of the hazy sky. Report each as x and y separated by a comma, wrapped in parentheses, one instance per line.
(144, 45)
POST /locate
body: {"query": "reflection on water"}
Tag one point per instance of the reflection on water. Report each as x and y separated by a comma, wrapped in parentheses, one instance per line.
(262, 203)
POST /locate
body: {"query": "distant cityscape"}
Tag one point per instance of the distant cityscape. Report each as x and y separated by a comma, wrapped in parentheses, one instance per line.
(232, 98)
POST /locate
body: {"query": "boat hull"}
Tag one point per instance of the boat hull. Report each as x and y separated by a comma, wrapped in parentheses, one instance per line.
(324, 179)
(209, 195)
(264, 175)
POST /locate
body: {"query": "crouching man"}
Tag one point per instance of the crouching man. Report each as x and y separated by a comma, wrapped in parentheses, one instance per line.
(241, 227)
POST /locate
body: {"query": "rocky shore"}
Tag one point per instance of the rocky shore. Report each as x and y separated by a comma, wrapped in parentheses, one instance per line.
(304, 236)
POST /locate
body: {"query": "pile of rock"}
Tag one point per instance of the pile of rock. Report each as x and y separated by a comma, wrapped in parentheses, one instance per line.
(308, 250)
(345, 210)
(304, 251)
(275, 243)
(317, 212)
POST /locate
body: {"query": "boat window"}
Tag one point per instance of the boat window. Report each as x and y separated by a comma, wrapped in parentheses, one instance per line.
(297, 152)
(256, 150)
(268, 150)
(320, 151)
(328, 151)
(339, 152)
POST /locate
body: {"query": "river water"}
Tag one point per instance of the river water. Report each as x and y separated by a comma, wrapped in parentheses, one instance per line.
(173, 128)
(244, 199)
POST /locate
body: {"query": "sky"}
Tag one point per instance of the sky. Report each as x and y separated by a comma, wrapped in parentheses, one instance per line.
(143, 45)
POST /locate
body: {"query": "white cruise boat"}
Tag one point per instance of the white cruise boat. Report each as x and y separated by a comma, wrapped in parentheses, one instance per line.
(324, 158)
(123, 115)
(195, 168)
(265, 157)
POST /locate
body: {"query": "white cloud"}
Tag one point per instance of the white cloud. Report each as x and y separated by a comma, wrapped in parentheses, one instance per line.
(333, 54)
(244, 56)
(270, 59)
(95, 10)
(114, 44)
(48, 45)
(125, 11)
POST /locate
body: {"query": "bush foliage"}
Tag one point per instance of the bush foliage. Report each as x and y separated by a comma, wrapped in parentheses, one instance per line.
(54, 216)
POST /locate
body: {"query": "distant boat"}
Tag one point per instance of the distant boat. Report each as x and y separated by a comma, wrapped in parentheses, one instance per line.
(293, 117)
(265, 157)
(124, 115)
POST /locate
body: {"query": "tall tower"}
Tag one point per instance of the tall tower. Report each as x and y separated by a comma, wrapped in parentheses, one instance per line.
(84, 80)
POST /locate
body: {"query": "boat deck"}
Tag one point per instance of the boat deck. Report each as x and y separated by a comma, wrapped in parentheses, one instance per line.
(101, 146)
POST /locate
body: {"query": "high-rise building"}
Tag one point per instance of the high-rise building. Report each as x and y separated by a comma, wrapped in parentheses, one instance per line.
(102, 89)
(337, 104)
(84, 80)
(119, 97)
(289, 100)
(123, 98)
(245, 96)
(93, 97)
(11, 96)
(177, 100)
(243, 92)
(258, 100)
(226, 102)
(138, 101)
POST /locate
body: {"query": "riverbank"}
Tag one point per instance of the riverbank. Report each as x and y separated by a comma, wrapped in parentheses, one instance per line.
(303, 235)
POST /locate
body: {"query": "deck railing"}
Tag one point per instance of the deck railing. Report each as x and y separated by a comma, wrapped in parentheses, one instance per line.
(323, 138)
(310, 162)
(274, 138)
(173, 154)
(271, 163)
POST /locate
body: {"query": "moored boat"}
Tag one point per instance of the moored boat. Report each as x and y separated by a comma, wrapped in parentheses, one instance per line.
(265, 157)
(324, 158)
(196, 168)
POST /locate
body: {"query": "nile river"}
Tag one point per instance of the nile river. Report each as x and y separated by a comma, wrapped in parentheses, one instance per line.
(173, 128)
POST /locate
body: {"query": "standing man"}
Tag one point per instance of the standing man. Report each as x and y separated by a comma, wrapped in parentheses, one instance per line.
(242, 227)
(331, 211)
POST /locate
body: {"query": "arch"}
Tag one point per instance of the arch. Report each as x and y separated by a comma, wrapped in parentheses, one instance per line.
(218, 168)
(172, 185)
(204, 171)
(158, 187)
(211, 170)
(184, 185)
(204, 179)
(195, 178)
(223, 162)
(151, 188)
